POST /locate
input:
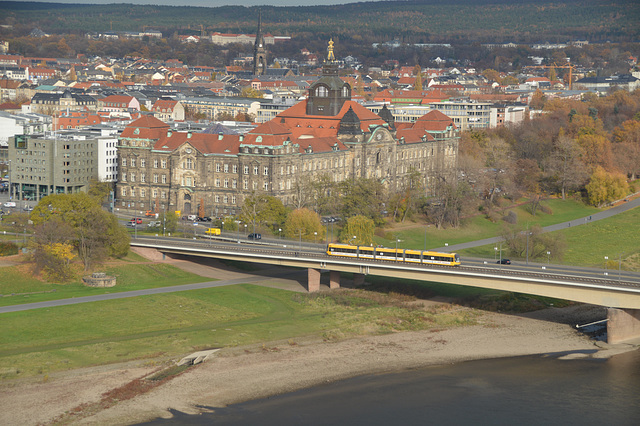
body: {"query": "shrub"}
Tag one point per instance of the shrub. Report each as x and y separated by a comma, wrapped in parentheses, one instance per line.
(511, 218)
(8, 248)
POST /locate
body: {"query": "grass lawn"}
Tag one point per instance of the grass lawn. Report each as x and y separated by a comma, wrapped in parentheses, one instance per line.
(587, 245)
(18, 287)
(479, 227)
(170, 325)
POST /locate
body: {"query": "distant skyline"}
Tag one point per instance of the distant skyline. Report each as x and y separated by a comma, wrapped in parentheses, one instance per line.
(209, 3)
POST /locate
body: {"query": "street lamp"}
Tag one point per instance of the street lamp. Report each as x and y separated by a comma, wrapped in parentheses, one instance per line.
(397, 241)
(495, 253)
(280, 233)
(351, 239)
(238, 229)
(528, 233)
(548, 257)
(315, 237)
(300, 230)
(606, 259)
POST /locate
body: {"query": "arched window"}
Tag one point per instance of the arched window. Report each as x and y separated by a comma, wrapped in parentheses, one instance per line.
(322, 92)
(345, 91)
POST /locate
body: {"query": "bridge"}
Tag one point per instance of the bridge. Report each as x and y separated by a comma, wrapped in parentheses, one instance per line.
(619, 291)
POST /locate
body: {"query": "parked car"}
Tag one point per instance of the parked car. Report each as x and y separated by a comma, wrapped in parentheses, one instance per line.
(9, 204)
(154, 224)
(255, 236)
(27, 208)
(137, 220)
(504, 262)
(150, 213)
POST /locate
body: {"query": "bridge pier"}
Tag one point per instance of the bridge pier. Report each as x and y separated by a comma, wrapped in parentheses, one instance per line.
(313, 280)
(358, 279)
(623, 324)
(334, 279)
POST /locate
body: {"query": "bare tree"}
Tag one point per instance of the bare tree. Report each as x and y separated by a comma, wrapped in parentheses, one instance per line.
(565, 165)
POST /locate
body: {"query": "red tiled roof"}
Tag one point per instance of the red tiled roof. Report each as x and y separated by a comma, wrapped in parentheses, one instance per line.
(149, 128)
(413, 135)
(163, 104)
(299, 123)
(117, 98)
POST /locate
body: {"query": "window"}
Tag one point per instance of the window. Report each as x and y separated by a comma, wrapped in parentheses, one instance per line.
(246, 170)
(266, 171)
(233, 199)
(142, 193)
(155, 193)
(163, 194)
(235, 168)
(123, 191)
(155, 164)
(226, 168)
(124, 162)
(133, 162)
(234, 184)
(189, 164)
(155, 178)
(217, 182)
(322, 92)
(133, 192)
(143, 177)
(124, 176)
(226, 199)
(132, 177)
(245, 184)
(218, 168)
(226, 183)
(143, 162)
(217, 198)
(345, 91)
(266, 186)
(164, 164)
(164, 178)
(255, 170)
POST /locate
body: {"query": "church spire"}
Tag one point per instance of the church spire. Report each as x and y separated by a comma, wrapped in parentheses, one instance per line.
(259, 50)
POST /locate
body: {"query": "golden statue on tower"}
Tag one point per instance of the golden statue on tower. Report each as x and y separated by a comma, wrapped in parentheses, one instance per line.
(330, 56)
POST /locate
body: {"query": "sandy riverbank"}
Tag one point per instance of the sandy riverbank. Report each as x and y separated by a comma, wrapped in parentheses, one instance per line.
(244, 373)
(240, 374)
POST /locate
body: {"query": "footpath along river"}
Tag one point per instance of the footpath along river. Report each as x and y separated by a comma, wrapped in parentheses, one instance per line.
(530, 390)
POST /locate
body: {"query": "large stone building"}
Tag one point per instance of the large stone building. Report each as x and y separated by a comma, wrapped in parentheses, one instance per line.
(326, 134)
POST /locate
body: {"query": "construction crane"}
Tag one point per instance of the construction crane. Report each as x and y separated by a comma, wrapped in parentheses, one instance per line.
(571, 67)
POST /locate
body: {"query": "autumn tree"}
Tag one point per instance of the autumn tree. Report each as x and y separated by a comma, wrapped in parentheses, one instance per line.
(96, 233)
(52, 251)
(362, 196)
(261, 209)
(360, 227)
(418, 72)
(305, 224)
(604, 187)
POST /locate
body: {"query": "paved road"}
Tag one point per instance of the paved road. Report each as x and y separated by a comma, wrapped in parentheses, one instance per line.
(622, 207)
(125, 294)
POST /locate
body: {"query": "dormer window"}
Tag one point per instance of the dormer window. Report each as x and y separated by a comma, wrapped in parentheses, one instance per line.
(136, 131)
(322, 92)
(345, 91)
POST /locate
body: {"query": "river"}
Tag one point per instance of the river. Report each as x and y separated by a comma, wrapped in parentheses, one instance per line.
(531, 390)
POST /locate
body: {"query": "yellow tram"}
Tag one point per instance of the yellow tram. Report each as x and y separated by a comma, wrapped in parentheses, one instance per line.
(396, 255)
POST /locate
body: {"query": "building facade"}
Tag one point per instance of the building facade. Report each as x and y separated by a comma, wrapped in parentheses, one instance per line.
(327, 134)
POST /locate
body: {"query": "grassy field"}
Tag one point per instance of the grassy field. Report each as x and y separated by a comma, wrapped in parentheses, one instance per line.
(169, 325)
(479, 227)
(616, 237)
(17, 286)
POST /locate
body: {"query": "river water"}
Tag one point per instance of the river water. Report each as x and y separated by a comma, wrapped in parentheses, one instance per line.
(531, 390)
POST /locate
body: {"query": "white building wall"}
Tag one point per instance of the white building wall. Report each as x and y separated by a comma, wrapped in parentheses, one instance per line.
(107, 159)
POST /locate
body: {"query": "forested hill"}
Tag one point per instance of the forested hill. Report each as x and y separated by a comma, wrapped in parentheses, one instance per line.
(413, 21)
